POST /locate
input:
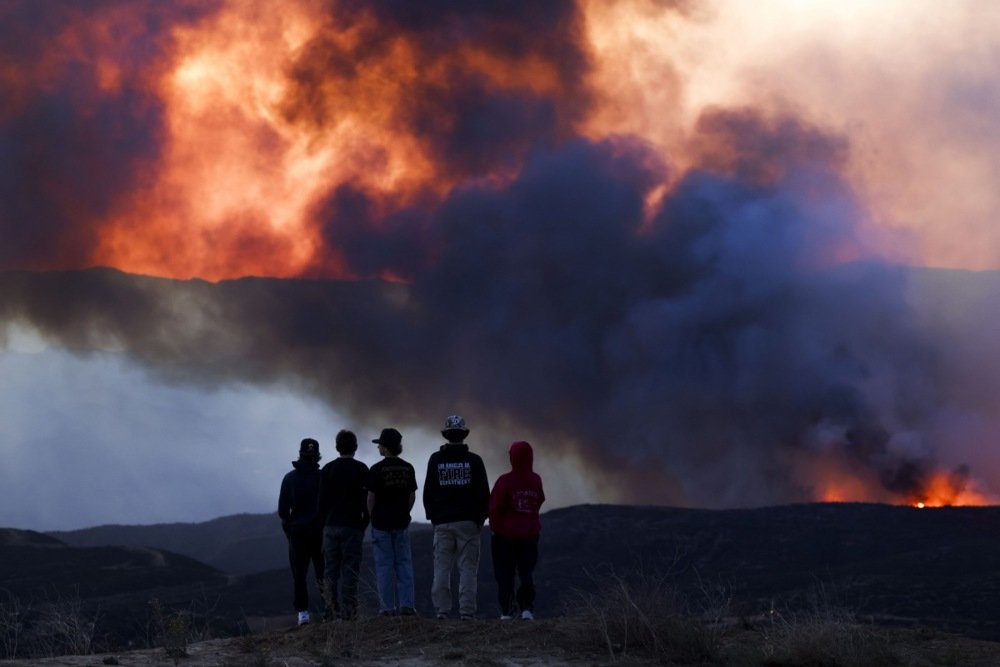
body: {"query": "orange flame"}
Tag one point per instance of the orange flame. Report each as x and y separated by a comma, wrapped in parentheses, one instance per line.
(256, 135)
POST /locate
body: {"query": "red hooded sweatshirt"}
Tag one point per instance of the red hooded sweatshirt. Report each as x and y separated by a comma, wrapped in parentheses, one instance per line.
(517, 497)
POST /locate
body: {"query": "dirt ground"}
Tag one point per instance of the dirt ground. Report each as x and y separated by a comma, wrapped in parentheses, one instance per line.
(417, 642)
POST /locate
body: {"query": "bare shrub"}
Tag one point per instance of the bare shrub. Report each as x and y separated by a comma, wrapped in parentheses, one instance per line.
(640, 615)
(825, 641)
(67, 627)
(172, 628)
(12, 615)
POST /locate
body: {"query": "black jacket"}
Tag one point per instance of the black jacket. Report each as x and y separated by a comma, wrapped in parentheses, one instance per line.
(343, 496)
(456, 487)
(297, 498)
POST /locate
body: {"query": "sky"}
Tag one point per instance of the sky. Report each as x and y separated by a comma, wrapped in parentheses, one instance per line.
(699, 253)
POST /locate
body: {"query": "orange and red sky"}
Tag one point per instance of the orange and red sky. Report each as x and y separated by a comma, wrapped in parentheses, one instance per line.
(218, 129)
(679, 223)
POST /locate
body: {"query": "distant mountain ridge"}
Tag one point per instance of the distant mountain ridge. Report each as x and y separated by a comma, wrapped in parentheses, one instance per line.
(236, 544)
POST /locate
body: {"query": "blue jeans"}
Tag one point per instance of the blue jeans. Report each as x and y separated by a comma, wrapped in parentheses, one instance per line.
(393, 569)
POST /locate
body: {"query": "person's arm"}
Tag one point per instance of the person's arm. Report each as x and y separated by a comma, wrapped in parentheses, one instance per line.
(413, 498)
(366, 515)
(498, 500)
(322, 499)
(285, 499)
(428, 494)
(482, 490)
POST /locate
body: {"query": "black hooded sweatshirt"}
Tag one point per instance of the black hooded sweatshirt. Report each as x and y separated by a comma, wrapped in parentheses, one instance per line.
(297, 499)
(456, 487)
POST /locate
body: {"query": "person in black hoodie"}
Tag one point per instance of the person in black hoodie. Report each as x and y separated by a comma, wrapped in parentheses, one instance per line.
(343, 513)
(456, 499)
(297, 510)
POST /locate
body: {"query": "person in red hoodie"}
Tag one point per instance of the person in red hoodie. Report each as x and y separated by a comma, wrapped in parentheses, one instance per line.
(515, 526)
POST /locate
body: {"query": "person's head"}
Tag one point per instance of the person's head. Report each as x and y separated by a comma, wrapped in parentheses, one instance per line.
(455, 429)
(521, 456)
(309, 450)
(347, 443)
(390, 442)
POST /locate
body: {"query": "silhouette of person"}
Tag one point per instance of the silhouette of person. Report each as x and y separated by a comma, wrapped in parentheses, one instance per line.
(343, 512)
(392, 490)
(297, 510)
(514, 530)
(456, 495)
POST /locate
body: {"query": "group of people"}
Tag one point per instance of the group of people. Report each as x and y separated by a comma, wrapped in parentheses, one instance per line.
(325, 511)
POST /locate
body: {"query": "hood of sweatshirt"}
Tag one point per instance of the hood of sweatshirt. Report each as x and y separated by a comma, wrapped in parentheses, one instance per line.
(306, 464)
(521, 456)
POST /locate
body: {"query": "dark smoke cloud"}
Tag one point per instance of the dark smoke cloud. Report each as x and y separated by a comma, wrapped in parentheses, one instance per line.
(471, 122)
(690, 358)
(697, 354)
(71, 145)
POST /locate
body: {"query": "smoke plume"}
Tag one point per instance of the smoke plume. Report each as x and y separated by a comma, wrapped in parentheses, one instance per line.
(708, 328)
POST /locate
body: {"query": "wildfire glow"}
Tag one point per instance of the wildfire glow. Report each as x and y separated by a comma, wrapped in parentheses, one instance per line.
(232, 137)
(252, 142)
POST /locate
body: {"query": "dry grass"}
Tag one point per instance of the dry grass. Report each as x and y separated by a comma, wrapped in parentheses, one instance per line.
(639, 620)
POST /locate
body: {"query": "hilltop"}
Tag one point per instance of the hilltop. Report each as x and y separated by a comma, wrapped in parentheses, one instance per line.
(888, 568)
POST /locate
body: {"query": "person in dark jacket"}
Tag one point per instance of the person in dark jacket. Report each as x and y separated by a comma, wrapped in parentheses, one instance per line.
(297, 509)
(456, 497)
(392, 490)
(343, 512)
(515, 527)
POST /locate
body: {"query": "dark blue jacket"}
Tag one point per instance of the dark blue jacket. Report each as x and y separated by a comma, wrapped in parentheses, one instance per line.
(297, 500)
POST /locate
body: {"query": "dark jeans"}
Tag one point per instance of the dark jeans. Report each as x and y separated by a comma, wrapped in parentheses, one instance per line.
(510, 557)
(304, 548)
(342, 550)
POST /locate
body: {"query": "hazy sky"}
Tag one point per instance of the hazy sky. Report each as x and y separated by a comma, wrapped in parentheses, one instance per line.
(658, 238)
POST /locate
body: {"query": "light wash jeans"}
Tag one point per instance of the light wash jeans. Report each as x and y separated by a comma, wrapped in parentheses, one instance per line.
(393, 569)
(456, 542)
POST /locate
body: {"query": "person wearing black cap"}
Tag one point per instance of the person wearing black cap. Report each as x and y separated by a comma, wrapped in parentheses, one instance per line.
(456, 499)
(392, 490)
(343, 513)
(297, 509)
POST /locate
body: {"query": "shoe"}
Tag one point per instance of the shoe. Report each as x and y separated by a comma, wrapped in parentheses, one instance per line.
(467, 617)
(506, 617)
(441, 616)
(387, 612)
(407, 611)
(526, 615)
(303, 618)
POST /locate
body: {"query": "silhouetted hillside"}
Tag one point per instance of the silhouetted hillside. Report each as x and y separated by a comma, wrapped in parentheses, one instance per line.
(892, 563)
(238, 544)
(33, 563)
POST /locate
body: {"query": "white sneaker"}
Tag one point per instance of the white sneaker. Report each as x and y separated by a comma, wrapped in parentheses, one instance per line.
(527, 615)
(506, 617)
(303, 618)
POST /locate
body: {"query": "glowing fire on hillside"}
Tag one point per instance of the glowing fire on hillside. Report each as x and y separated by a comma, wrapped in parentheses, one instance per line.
(940, 489)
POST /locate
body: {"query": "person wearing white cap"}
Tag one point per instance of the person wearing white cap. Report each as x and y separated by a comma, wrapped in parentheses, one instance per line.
(456, 499)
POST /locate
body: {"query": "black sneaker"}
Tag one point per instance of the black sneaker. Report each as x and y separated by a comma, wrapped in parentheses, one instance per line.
(407, 611)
